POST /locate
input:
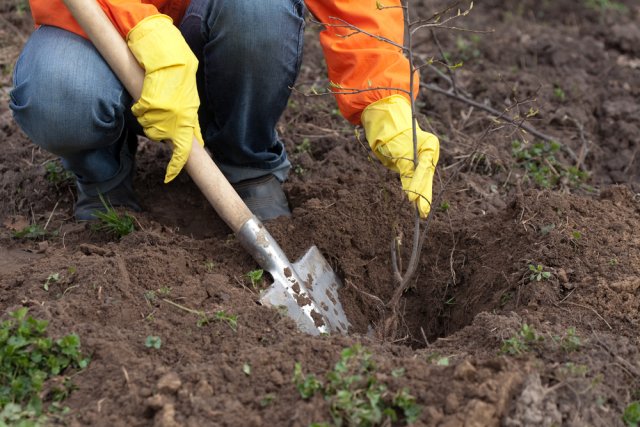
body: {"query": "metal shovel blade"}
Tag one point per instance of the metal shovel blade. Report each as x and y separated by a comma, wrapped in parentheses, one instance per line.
(306, 289)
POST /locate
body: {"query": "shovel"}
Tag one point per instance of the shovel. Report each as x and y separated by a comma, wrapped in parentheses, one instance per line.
(306, 289)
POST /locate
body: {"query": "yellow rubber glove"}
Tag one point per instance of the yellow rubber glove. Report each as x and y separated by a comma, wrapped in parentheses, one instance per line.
(168, 107)
(387, 124)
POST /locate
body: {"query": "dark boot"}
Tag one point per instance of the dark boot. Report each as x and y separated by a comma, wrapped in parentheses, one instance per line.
(117, 192)
(120, 196)
(264, 197)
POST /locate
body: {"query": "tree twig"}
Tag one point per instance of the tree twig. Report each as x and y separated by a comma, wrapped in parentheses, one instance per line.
(501, 115)
(452, 78)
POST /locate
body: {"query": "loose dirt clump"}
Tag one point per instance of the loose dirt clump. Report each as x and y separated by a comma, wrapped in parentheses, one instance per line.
(524, 310)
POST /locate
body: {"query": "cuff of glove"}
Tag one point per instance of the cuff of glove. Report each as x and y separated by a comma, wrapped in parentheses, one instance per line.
(157, 43)
(148, 25)
(385, 119)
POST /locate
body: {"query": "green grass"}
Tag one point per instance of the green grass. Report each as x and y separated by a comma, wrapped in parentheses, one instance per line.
(112, 222)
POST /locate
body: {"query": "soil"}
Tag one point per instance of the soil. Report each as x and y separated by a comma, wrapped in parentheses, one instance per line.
(575, 63)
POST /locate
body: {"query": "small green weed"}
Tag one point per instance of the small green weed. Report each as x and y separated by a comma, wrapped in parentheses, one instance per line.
(255, 277)
(112, 222)
(209, 266)
(604, 5)
(398, 372)
(570, 341)
(559, 94)
(443, 361)
(505, 298)
(230, 319)
(521, 342)
(543, 168)
(52, 278)
(204, 318)
(631, 416)
(16, 415)
(438, 359)
(57, 175)
(570, 369)
(22, 6)
(164, 291)
(355, 395)
(537, 273)
(28, 358)
(267, 400)
(31, 232)
(304, 146)
(153, 341)
(150, 296)
(444, 206)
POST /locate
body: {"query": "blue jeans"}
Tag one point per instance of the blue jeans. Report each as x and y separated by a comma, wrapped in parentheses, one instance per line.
(68, 101)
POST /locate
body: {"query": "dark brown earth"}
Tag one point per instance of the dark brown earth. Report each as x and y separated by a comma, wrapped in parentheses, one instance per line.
(575, 62)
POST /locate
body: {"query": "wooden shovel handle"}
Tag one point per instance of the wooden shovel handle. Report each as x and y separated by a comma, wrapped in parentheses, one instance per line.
(204, 172)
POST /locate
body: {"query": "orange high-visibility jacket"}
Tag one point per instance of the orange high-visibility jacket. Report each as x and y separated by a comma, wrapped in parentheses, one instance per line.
(357, 61)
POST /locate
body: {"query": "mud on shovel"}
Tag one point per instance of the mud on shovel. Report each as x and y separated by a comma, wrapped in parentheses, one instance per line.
(306, 288)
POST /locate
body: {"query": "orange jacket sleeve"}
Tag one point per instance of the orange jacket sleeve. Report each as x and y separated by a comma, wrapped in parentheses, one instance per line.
(124, 14)
(359, 61)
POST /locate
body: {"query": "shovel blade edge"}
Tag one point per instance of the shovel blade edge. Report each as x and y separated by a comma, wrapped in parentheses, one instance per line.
(322, 283)
(315, 277)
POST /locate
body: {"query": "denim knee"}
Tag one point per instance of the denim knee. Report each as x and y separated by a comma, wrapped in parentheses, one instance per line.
(257, 31)
(250, 53)
(65, 97)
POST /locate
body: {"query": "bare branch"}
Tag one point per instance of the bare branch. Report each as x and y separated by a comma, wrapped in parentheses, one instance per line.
(500, 115)
(357, 30)
(452, 78)
(380, 6)
(436, 16)
(437, 23)
(348, 91)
